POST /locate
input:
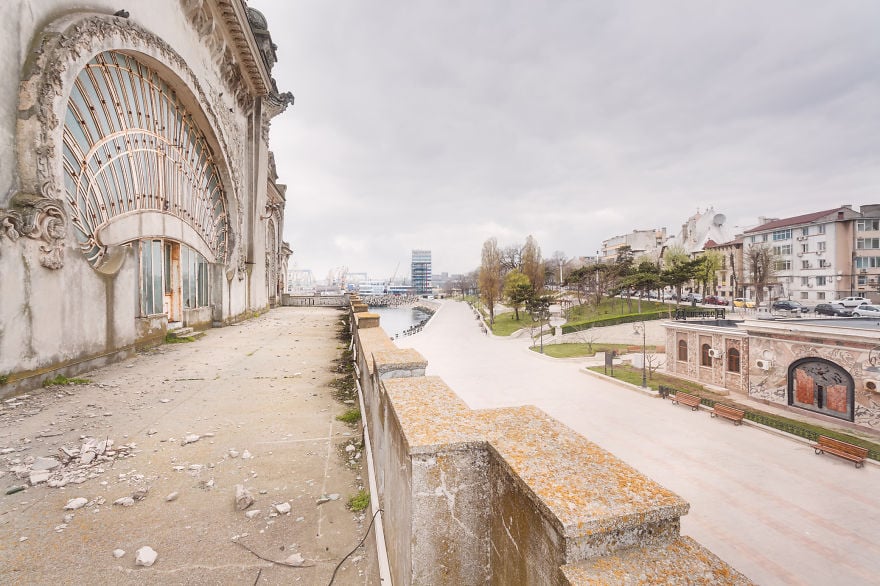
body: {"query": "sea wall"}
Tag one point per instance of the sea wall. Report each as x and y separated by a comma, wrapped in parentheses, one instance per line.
(508, 496)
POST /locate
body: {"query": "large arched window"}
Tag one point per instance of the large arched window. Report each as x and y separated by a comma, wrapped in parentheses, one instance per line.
(705, 359)
(683, 350)
(135, 162)
(733, 363)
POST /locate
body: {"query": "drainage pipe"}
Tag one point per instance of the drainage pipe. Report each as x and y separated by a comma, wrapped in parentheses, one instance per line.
(381, 550)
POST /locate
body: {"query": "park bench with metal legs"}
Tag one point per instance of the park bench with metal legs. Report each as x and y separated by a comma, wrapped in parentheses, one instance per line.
(728, 412)
(850, 452)
(692, 401)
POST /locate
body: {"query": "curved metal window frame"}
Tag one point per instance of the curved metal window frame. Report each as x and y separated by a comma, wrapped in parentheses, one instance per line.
(131, 147)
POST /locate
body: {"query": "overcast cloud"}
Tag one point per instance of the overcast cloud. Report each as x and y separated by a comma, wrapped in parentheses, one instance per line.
(439, 124)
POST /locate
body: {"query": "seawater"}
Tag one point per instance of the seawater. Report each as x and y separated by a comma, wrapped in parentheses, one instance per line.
(395, 320)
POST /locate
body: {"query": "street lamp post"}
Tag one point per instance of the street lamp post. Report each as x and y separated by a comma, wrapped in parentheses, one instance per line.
(644, 357)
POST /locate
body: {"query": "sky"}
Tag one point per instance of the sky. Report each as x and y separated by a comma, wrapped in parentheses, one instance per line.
(439, 124)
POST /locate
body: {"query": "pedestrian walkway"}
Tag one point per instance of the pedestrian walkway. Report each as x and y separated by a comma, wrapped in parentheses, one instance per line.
(250, 405)
(766, 504)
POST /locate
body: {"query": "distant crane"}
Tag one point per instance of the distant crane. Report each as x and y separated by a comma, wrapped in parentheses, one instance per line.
(391, 278)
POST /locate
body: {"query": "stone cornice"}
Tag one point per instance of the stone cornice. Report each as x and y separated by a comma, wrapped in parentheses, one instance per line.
(235, 20)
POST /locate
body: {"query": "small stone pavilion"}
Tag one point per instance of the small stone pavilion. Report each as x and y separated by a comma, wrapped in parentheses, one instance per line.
(829, 368)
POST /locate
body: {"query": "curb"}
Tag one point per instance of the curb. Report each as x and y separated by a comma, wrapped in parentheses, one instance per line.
(758, 426)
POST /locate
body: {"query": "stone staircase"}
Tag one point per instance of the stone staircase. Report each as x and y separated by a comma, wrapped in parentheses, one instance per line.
(176, 330)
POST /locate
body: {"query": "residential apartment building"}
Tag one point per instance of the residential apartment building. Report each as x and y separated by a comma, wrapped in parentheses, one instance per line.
(640, 242)
(729, 277)
(819, 256)
(866, 257)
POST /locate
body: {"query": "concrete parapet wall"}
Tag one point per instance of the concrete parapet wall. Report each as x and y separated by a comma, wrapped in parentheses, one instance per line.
(505, 496)
(314, 300)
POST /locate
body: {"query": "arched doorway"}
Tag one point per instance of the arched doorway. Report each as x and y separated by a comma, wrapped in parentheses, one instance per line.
(822, 386)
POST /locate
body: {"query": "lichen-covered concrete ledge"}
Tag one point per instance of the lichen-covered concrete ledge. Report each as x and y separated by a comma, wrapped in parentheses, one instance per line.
(682, 562)
(507, 496)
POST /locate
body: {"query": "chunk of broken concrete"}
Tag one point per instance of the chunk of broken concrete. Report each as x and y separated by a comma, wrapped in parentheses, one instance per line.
(125, 501)
(283, 508)
(243, 497)
(74, 504)
(118, 553)
(190, 439)
(172, 497)
(252, 514)
(146, 556)
(42, 463)
(38, 477)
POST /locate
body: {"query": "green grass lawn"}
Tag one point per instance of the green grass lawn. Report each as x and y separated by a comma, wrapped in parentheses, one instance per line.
(613, 311)
(795, 426)
(577, 349)
(506, 324)
(614, 307)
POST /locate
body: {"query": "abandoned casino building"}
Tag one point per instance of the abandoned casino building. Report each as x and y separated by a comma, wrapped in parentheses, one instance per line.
(138, 191)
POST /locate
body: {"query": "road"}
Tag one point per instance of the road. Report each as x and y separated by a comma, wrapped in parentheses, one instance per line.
(766, 504)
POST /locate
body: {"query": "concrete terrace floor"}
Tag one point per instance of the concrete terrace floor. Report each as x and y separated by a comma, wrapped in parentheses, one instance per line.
(260, 386)
(766, 504)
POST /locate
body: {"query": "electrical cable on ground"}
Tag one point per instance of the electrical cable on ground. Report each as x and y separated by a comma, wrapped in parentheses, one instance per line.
(360, 543)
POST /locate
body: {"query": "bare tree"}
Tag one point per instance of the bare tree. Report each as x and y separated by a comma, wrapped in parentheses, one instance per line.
(532, 266)
(490, 276)
(511, 259)
(761, 264)
(653, 362)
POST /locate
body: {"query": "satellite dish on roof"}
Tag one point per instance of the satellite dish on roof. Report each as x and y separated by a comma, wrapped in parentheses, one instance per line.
(719, 219)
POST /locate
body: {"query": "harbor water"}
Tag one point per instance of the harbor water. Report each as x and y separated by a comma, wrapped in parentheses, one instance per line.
(396, 320)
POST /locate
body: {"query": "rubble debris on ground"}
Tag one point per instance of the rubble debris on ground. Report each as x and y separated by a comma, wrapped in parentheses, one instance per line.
(146, 556)
(71, 465)
(243, 497)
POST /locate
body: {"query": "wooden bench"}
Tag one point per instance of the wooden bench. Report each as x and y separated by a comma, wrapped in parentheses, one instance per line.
(692, 401)
(728, 412)
(844, 450)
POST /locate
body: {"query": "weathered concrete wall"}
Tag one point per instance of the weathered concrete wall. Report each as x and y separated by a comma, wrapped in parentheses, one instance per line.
(504, 496)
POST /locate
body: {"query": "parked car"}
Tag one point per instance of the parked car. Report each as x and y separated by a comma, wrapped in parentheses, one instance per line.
(788, 305)
(866, 310)
(720, 300)
(852, 301)
(694, 297)
(710, 300)
(834, 309)
(743, 302)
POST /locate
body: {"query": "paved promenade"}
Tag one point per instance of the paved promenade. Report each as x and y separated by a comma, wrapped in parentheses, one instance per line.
(250, 405)
(766, 504)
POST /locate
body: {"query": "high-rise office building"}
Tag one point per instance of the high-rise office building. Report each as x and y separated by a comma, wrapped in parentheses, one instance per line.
(421, 271)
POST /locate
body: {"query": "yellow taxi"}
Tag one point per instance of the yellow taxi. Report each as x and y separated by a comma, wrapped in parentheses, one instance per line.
(743, 302)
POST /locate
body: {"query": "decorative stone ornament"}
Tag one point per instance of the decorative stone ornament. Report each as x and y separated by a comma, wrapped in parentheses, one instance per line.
(60, 53)
(38, 218)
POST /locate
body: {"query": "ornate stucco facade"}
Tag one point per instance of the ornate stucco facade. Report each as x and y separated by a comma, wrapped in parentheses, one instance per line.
(136, 189)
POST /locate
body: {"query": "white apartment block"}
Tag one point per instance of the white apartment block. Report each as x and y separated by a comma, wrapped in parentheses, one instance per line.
(821, 256)
(641, 243)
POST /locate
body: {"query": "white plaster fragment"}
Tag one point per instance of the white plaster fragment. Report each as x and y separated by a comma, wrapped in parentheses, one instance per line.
(146, 556)
(74, 504)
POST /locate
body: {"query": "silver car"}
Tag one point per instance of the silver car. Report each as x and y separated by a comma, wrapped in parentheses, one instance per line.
(866, 310)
